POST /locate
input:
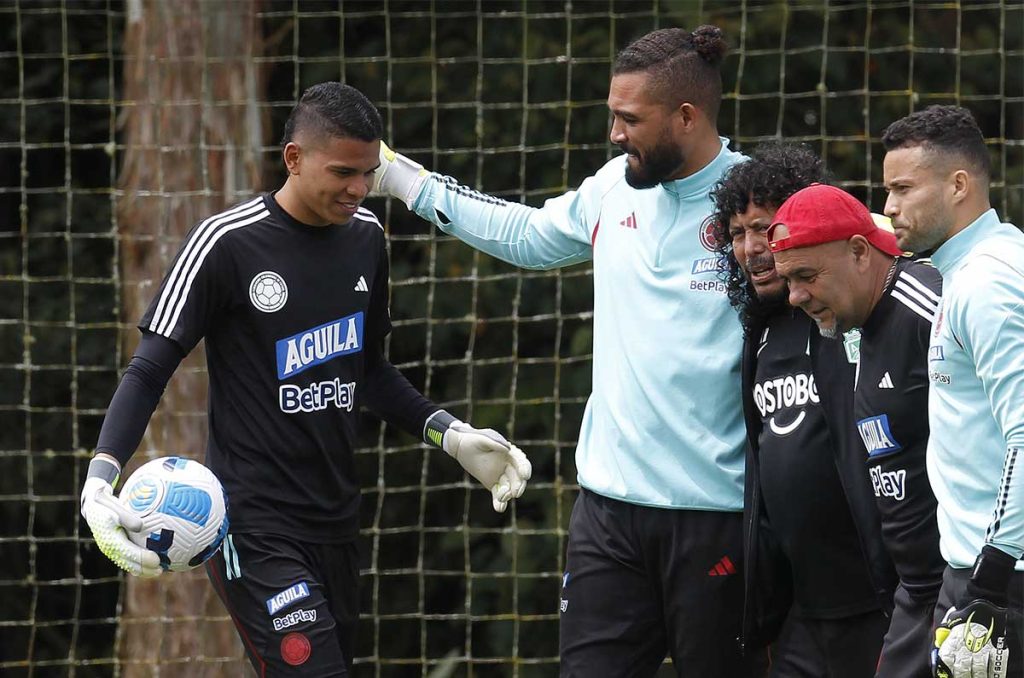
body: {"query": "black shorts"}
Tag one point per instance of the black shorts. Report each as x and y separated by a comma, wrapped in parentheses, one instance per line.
(643, 582)
(294, 604)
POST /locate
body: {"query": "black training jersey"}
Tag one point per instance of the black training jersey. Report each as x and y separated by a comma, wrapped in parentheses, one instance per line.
(294, 318)
(891, 409)
(800, 485)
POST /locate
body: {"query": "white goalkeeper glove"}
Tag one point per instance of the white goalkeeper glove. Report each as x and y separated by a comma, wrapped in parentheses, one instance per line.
(971, 640)
(398, 176)
(971, 643)
(500, 466)
(108, 520)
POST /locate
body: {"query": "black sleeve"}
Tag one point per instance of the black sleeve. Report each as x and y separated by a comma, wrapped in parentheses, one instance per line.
(387, 393)
(390, 396)
(137, 395)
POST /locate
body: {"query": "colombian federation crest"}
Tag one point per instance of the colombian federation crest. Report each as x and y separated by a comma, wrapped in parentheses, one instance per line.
(268, 292)
(707, 236)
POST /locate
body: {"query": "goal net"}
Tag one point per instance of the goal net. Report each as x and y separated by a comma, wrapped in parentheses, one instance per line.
(123, 122)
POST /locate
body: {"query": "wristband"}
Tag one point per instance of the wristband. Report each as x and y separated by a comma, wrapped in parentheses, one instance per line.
(106, 469)
(990, 579)
(435, 426)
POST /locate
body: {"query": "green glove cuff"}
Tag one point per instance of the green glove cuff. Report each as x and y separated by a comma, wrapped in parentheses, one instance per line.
(435, 426)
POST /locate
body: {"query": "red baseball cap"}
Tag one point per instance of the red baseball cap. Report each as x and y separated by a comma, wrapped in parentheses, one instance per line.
(819, 214)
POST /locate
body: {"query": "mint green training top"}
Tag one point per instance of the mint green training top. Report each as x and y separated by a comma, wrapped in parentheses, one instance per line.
(976, 401)
(663, 425)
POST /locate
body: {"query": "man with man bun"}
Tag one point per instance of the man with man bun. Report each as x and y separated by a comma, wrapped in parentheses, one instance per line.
(655, 555)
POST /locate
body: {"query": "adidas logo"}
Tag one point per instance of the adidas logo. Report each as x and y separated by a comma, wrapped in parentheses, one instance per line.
(361, 285)
(886, 381)
(722, 568)
(630, 221)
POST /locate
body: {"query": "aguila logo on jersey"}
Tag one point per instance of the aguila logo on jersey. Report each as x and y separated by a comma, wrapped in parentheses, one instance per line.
(281, 600)
(790, 391)
(877, 436)
(268, 291)
(708, 265)
(312, 347)
(707, 236)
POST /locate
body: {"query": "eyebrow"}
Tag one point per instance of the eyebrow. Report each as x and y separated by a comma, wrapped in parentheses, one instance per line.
(802, 271)
(335, 167)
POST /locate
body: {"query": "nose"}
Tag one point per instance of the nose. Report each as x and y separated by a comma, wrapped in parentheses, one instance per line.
(756, 242)
(798, 296)
(891, 209)
(360, 188)
(618, 133)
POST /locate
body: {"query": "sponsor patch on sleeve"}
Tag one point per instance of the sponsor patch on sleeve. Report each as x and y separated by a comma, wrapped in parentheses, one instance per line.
(877, 436)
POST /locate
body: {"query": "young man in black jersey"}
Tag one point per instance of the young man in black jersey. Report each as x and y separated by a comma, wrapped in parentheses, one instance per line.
(288, 371)
(846, 273)
(812, 549)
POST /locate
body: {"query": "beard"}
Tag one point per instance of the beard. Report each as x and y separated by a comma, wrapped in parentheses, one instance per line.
(829, 332)
(655, 166)
(920, 241)
(765, 261)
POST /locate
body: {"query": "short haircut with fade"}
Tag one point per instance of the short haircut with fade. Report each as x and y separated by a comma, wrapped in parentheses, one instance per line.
(944, 129)
(332, 109)
(683, 66)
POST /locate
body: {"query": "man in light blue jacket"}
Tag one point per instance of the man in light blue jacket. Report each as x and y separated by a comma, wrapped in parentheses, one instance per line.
(937, 172)
(655, 541)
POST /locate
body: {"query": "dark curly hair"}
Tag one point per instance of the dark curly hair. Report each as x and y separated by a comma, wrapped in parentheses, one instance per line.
(947, 129)
(775, 171)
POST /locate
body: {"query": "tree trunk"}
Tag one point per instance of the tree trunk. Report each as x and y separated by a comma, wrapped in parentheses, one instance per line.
(192, 131)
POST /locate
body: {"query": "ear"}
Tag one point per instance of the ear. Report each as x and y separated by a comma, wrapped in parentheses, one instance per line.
(961, 184)
(687, 116)
(292, 155)
(860, 249)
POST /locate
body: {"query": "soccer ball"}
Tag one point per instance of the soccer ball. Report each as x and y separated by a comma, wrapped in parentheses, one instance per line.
(183, 509)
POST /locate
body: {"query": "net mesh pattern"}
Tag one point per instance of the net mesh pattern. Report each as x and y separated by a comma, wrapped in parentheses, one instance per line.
(507, 96)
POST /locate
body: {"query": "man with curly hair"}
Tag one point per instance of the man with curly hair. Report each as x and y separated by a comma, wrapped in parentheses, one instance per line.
(813, 548)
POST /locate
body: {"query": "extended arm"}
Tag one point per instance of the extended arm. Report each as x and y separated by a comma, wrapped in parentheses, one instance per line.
(500, 466)
(558, 234)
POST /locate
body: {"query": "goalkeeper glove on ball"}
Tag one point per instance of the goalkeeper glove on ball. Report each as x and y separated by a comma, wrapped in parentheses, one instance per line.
(971, 641)
(398, 176)
(108, 520)
(500, 466)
